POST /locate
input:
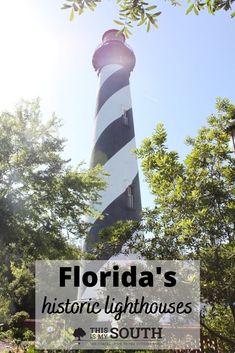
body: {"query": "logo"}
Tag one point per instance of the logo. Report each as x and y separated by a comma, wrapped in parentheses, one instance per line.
(78, 333)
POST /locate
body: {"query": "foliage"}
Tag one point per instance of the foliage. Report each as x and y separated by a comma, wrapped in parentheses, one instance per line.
(43, 204)
(219, 319)
(194, 207)
(193, 215)
(43, 200)
(21, 288)
(113, 237)
(15, 331)
(140, 12)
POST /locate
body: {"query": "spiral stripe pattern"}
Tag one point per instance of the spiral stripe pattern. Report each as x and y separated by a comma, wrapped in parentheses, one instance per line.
(114, 141)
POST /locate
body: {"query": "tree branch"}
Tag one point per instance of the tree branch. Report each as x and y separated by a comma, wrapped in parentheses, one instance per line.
(218, 335)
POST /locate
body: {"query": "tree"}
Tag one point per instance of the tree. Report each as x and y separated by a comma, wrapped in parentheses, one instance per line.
(43, 201)
(78, 333)
(194, 210)
(193, 215)
(140, 12)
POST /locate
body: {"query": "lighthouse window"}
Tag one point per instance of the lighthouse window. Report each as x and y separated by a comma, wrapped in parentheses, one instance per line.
(125, 118)
(130, 197)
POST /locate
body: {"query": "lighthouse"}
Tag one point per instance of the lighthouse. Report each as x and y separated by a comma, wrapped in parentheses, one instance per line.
(114, 136)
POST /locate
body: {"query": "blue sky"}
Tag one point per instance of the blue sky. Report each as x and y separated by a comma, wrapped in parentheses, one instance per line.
(181, 68)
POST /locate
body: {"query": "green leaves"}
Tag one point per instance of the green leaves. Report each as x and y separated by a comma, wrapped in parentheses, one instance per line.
(141, 13)
(43, 205)
(42, 197)
(150, 8)
(189, 9)
(71, 18)
(194, 203)
(66, 6)
(78, 6)
(194, 211)
(119, 23)
(211, 6)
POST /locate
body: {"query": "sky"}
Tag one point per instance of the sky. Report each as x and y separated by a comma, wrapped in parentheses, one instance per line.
(180, 69)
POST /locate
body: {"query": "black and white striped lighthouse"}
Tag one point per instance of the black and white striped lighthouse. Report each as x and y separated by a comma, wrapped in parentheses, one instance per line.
(114, 135)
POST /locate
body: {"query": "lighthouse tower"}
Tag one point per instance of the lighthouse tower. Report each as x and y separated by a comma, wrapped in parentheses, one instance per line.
(114, 136)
